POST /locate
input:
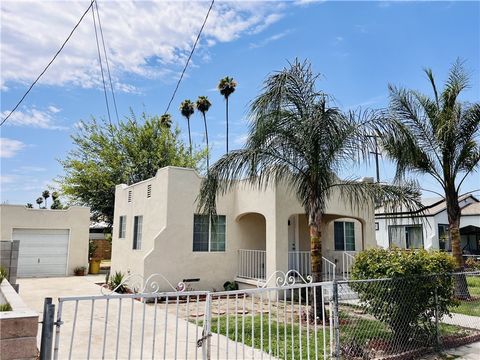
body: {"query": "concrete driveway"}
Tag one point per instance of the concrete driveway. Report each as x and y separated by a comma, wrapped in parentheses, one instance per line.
(128, 329)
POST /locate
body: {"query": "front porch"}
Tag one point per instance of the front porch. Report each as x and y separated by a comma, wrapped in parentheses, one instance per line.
(342, 238)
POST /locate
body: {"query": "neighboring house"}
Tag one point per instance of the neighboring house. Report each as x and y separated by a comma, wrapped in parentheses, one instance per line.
(101, 235)
(52, 242)
(157, 230)
(409, 231)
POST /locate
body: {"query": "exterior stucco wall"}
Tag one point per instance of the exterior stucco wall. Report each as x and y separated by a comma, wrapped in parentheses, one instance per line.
(76, 219)
(429, 228)
(254, 220)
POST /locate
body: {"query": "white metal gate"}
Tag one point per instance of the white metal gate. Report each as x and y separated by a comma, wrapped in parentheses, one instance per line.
(282, 321)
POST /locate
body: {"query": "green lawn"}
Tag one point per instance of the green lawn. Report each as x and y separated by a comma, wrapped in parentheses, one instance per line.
(279, 345)
(470, 307)
(353, 328)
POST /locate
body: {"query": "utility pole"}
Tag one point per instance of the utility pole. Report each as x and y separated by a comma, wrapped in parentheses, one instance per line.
(376, 153)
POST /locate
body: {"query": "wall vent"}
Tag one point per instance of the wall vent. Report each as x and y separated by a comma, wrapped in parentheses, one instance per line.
(149, 191)
(129, 195)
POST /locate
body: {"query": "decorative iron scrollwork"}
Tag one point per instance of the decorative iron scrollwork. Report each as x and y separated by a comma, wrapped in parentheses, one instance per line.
(291, 277)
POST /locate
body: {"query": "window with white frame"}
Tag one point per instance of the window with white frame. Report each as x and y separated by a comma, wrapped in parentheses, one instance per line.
(344, 235)
(406, 236)
(209, 233)
(122, 226)
(137, 232)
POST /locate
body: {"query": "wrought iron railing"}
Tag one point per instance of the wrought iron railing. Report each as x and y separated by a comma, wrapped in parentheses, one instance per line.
(252, 264)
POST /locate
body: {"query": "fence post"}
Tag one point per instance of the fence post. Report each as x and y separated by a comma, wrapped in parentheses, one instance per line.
(437, 329)
(47, 330)
(206, 336)
(336, 323)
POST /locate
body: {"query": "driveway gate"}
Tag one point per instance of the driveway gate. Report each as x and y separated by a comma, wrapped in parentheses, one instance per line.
(289, 321)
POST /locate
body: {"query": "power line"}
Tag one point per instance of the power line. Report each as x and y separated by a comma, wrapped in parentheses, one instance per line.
(101, 68)
(189, 57)
(48, 65)
(106, 61)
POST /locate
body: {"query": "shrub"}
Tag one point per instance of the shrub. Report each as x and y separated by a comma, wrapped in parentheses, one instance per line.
(3, 274)
(116, 283)
(5, 307)
(472, 264)
(230, 286)
(419, 286)
(79, 270)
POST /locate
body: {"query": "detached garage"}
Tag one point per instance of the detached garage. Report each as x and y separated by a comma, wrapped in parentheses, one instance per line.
(52, 242)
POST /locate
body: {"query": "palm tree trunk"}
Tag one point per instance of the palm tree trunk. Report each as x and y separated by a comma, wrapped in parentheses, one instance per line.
(189, 136)
(454, 214)
(206, 139)
(316, 263)
(226, 111)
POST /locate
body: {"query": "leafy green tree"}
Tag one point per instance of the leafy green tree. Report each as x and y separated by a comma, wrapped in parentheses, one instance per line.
(39, 201)
(105, 155)
(226, 86)
(46, 195)
(29, 205)
(187, 108)
(203, 105)
(297, 139)
(436, 136)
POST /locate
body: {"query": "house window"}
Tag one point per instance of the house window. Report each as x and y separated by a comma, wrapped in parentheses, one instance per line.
(377, 226)
(209, 234)
(137, 232)
(444, 242)
(406, 236)
(130, 196)
(344, 235)
(149, 191)
(122, 227)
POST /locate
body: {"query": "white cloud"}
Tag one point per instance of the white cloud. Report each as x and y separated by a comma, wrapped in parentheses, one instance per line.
(145, 38)
(270, 39)
(33, 117)
(10, 147)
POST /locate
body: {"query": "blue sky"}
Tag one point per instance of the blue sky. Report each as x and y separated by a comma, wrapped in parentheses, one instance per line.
(358, 47)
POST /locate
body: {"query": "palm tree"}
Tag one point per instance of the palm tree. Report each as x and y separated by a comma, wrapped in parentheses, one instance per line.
(227, 86)
(39, 201)
(437, 137)
(297, 139)
(203, 105)
(166, 120)
(187, 109)
(46, 195)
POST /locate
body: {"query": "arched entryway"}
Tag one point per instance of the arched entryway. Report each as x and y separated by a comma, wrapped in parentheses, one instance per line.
(252, 250)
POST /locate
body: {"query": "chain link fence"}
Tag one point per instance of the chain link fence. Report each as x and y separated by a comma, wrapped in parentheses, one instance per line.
(405, 317)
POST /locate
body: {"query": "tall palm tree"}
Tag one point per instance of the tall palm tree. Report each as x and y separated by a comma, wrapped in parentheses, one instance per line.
(46, 195)
(166, 120)
(226, 86)
(203, 105)
(187, 109)
(436, 136)
(39, 201)
(297, 139)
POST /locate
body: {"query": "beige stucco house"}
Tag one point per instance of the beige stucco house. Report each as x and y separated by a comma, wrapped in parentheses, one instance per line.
(157, 230)
(52, 242)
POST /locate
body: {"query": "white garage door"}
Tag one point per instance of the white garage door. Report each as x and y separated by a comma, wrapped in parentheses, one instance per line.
(43, 252)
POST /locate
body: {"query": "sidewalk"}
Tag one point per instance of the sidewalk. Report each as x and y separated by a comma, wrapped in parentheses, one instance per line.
(468, 321)
(466, 352)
